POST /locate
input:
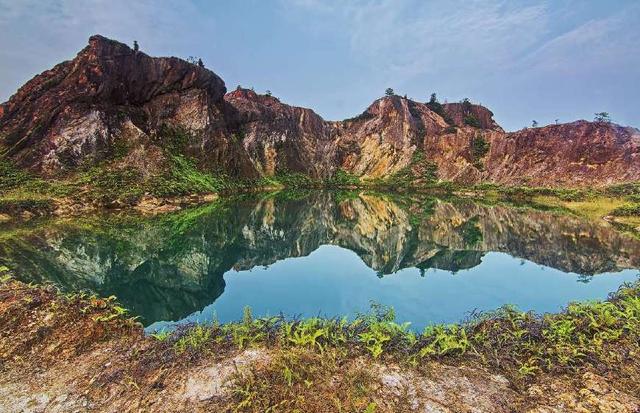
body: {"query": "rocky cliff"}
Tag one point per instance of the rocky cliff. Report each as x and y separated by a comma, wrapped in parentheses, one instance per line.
(114, 105)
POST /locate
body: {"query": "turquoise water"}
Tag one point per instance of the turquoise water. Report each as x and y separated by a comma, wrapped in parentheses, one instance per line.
(333, 281)
(330, 254)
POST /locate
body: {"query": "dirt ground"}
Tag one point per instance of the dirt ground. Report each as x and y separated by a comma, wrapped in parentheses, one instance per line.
(75, 354)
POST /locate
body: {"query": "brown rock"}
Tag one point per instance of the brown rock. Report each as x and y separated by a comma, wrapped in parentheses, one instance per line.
(110, 97)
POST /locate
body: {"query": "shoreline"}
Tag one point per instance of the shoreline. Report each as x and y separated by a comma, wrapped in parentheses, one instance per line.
(495, 364)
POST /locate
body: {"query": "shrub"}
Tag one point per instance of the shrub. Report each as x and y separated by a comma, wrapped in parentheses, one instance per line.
(472, 121)
(479, 146)
(342, 178)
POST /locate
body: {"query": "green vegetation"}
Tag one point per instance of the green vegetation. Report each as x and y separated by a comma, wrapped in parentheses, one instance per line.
(469, 118)
(437, 107)
(479, 148)
(342, 178)
(520, 344)
(419, 168)
(472, 121)
(627, 210)
(10, 176)
(471, 232)
(602, 117)
(389, 92)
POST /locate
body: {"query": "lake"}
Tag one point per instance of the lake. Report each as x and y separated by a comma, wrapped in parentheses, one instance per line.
(327, 253)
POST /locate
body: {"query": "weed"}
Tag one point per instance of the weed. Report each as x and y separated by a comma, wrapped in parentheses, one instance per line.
(194, 340)
(161, 335)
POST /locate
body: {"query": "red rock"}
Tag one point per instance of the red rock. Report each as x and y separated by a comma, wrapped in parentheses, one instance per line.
(109, 96)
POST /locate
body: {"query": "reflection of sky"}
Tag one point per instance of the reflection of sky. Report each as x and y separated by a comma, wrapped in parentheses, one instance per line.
(333, 281)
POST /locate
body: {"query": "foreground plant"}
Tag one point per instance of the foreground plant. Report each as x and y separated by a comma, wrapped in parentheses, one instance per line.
(520, 344)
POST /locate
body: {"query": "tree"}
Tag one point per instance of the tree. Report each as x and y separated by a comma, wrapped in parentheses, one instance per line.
(602, 117)
(433, 99)
(135, 46)
(200, 62)
(557, 121)
(466, 106)
(534, 123)
(389, 92)
(268, 93)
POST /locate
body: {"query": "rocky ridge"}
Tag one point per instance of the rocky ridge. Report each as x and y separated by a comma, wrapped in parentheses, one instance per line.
(117, 105)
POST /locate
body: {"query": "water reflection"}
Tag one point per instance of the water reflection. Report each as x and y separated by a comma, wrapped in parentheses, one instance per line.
(169, 267)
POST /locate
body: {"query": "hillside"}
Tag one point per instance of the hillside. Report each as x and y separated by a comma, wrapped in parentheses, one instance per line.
(124, 110)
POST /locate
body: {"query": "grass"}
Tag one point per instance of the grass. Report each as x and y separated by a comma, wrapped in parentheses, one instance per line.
(593, 208)
(520, 344)
(627, 210)
(327, 364)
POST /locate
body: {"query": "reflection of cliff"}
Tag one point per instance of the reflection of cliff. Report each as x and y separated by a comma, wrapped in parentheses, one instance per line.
(169, 267)
(559, 241)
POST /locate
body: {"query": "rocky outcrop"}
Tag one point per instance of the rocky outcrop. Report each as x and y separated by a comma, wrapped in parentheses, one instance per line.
(111, 99)
(111, 103)
(579, 153)
(281, 138)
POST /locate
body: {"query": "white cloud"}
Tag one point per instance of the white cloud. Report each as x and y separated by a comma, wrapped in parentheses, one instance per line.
(407, 38)
(607, 43)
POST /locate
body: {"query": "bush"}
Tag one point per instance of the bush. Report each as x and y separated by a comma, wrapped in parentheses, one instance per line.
(479, 146)
(472, 121)
(342, 178)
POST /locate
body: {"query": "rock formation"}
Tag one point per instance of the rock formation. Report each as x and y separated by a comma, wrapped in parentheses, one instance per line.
(111, 103)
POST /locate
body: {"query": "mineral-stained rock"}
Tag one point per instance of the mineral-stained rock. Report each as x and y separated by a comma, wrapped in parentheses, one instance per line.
(111, 103)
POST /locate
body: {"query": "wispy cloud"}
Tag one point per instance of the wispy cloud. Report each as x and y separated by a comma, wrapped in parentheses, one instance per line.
(607, 43)
(407, 38)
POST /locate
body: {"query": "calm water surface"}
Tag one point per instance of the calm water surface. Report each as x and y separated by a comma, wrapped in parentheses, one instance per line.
(328, 253)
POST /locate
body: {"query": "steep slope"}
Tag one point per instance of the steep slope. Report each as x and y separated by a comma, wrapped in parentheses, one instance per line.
(281, 138)
(111, 99)
(116, 106)
(579, 153)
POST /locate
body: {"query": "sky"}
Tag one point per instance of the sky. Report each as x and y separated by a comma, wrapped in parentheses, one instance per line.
(525, 60)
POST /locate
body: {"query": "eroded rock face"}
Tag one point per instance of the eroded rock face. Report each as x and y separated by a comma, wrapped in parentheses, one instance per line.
(279, 137)
(111, 97)
(578, 153)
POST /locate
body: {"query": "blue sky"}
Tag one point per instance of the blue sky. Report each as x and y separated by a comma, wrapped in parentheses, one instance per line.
(525, 60)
